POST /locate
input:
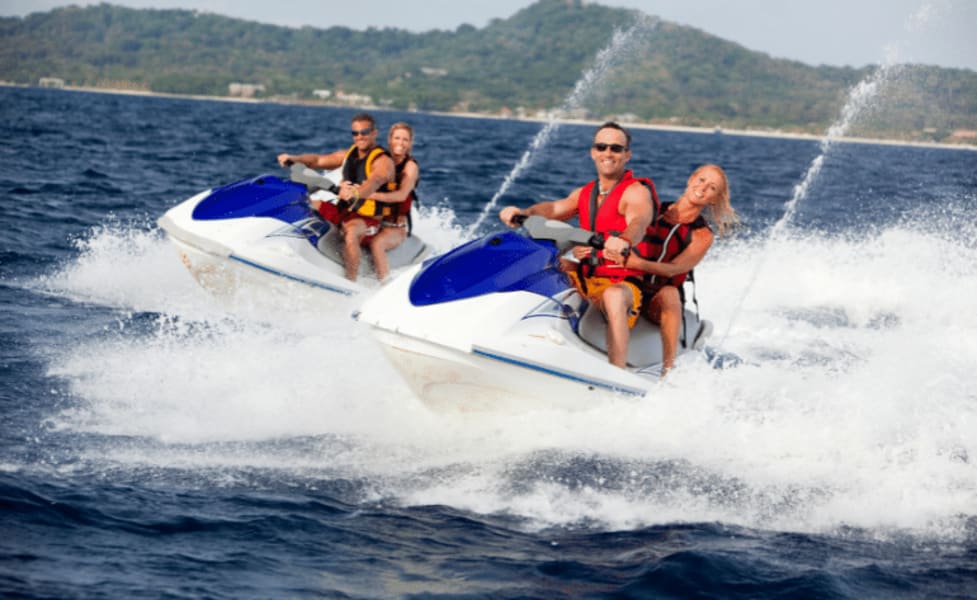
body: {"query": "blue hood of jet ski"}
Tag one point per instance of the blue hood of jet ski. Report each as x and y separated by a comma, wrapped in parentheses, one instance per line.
(262, 196)
(503, 262)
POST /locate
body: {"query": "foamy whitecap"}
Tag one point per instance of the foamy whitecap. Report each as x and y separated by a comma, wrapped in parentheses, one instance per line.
(851, 403)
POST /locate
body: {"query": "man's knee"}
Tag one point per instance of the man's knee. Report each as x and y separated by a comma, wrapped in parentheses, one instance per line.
(617, 299)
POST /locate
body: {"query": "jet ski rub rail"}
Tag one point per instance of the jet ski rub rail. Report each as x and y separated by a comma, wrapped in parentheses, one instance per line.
(549, 370)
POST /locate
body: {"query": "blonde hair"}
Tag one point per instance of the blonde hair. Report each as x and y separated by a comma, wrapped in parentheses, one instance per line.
(721, 213)
(401, 125)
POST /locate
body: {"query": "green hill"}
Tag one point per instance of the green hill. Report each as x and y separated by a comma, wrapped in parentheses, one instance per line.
(518, 66)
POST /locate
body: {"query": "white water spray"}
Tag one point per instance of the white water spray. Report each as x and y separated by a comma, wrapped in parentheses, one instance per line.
(859, 99)
(605, 60)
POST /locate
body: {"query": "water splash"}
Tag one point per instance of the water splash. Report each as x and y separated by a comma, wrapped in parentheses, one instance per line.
(621, 42)
(860, 98)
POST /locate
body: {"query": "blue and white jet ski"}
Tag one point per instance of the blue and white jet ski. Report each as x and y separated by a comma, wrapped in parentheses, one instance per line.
(494, 323)
(264, 231)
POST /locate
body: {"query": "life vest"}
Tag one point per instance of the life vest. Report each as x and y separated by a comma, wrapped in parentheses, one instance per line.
(665, 240)
(608, 220)
(403, 208)
(358, 170)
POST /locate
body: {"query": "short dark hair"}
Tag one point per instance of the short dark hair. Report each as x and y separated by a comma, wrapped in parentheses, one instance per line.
(613, 125)
(365, 117)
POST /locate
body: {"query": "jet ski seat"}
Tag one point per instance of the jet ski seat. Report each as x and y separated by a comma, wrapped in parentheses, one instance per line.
(331, 246)
(644, 345)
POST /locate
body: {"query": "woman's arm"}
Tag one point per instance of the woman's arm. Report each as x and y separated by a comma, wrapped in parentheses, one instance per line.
(683, 263)
(407, 185)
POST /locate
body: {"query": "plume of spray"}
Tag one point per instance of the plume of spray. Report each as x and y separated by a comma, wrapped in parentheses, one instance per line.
(860, 98)
(621, 42)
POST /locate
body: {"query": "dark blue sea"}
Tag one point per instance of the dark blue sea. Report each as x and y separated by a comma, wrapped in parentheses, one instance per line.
(159, 443)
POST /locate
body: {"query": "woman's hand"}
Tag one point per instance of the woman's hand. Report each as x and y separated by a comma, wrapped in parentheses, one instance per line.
(581, 252)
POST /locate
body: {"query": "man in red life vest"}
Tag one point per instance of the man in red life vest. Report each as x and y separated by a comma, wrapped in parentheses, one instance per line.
(620, 207)
(367, 168)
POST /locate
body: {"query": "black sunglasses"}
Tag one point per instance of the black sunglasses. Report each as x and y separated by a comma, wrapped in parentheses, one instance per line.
(366, 131)
(615, 148)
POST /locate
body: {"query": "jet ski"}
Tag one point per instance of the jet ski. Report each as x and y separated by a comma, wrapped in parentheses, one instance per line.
(263, 231)
(495, 323)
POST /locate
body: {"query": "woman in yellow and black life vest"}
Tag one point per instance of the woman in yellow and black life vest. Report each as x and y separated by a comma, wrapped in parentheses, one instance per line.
(675, 243)
(392, 205)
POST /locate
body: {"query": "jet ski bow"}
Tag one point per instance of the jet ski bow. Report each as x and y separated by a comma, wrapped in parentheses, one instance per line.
(264, 231)
(496, 323)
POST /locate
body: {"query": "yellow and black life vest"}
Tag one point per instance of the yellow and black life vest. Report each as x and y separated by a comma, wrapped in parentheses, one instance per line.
(358, 170)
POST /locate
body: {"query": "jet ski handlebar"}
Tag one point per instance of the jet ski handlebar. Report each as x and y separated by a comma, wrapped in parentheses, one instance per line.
(565, 236)
(310, 178)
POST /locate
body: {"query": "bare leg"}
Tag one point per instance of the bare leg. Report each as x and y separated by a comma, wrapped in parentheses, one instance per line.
(616, 302)
(666, 310)
(353, 233)
(388, 239)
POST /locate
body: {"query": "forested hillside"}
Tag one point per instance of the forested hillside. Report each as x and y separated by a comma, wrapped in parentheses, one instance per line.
(517, 66)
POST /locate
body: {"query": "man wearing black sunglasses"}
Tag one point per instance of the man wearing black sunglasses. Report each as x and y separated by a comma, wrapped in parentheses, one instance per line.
(367, 168)
(620, 207)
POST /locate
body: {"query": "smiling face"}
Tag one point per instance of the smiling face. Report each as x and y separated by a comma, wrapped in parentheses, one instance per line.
(706, 186)
(364, 135)
(399, 142)
(610, 152)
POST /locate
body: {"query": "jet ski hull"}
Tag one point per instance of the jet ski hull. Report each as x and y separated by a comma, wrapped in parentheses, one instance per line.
(263, 232)
(510, 350)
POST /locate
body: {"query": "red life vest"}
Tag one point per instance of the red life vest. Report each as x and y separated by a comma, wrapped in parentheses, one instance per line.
(609, 221)
(665, 240)
(403, 207)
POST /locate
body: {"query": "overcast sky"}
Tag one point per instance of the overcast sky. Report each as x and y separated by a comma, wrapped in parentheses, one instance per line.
(833, 32)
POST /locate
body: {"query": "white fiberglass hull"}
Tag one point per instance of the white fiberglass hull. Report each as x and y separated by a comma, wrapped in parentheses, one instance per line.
(510, 351)
(227, 255)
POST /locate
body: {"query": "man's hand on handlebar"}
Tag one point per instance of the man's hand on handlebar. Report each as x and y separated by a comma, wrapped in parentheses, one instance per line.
(512, 216)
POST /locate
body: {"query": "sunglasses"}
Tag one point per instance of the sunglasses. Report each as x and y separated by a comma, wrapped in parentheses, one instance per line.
(615, 148)
(363, 132)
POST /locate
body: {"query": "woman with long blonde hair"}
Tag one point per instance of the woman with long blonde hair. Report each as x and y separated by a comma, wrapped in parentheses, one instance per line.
(393, 232)
(680, 238)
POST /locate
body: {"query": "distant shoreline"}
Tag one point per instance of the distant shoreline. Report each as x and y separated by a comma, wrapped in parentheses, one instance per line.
(632, 125)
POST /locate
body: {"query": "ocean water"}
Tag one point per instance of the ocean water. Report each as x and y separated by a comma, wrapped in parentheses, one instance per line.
(157, 442)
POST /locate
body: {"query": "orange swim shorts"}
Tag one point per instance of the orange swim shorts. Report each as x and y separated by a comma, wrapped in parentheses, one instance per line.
(595, 291)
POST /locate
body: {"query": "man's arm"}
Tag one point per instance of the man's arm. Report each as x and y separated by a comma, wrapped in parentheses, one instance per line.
(381, 173)
(637, 209)
(560, 210)
(325, 162)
